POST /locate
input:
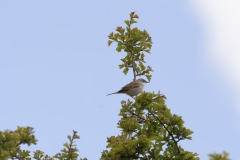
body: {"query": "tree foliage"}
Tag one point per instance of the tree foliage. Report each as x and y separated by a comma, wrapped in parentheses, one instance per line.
(11, 142)
(149, 129)
(135, 43)
(216, 156)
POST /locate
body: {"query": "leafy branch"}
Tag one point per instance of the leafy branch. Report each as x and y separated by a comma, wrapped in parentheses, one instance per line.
(134, 42)
(148, 129)
(11, 141)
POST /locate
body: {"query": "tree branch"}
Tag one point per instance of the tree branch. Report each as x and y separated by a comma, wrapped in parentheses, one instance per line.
(133, 65)
(171, 135)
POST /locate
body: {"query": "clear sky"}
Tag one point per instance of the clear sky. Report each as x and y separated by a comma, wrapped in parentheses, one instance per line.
(56, 69)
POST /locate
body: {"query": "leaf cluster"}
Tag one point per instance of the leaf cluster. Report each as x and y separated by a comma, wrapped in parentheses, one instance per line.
(216, 156)
(11, 142)
(149, 131)
(135, 43)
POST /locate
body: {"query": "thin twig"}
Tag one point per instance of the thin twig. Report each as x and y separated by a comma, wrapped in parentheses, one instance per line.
(132, 55)
(133, 65)
(167, 131)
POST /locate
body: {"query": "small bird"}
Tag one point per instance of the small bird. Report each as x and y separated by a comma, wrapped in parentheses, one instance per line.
(133, 88)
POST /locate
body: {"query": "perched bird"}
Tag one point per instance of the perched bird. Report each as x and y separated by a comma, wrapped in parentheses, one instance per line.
(133, 88)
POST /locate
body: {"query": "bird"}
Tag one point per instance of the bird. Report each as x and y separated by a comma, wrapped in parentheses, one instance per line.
(133, 88)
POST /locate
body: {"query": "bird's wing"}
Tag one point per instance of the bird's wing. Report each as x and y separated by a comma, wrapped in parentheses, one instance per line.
(129, 86)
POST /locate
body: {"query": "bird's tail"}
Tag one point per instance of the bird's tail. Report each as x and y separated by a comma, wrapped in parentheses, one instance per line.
(112, 93)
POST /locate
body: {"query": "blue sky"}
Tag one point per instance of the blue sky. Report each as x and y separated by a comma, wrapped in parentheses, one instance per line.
(56, 70)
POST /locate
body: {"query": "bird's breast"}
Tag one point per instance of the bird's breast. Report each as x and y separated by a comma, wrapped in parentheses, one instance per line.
(135, 91)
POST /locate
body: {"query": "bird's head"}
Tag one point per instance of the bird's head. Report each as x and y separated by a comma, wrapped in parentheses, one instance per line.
(142, 81)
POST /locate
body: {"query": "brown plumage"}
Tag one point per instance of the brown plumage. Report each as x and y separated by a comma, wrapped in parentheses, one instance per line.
(133, 88)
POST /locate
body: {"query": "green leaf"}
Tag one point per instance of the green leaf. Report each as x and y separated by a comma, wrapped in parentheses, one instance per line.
(149, 77)
(137, 69)
(142, 57)
(121, 66)
(122, 31)
(125, 71)
(141, 65)
(109, 42)
(149, 69)
(119, 48)
(110, 35)
(127, 22)
(147, 50)
(132, 21)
